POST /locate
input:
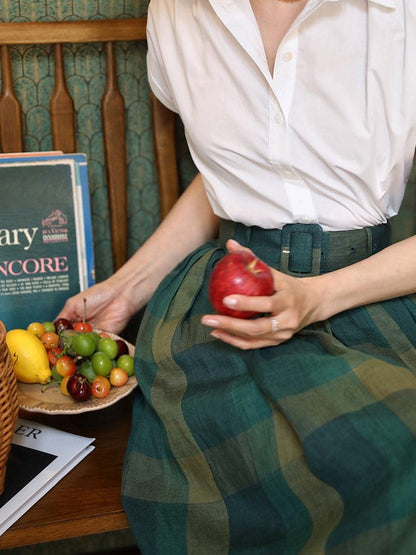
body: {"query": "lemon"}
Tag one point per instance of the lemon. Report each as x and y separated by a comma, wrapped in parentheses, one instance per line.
(30, 361)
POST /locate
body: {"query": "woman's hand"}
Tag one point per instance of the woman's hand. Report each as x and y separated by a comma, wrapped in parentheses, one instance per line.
(299, 302)
(292, 307)
(111, 303)
(104, 306)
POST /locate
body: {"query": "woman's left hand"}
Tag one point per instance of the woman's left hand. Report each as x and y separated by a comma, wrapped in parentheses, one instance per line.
(290, 308)
(298, 302)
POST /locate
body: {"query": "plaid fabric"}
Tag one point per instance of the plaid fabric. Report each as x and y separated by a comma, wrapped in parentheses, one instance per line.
(307, 447)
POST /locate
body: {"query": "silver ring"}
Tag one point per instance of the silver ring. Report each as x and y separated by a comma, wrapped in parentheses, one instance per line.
(275, 324)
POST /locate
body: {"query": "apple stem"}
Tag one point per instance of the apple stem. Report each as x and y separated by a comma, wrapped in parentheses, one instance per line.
(252, 266)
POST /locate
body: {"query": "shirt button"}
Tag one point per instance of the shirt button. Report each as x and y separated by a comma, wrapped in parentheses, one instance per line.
(287, 56)
(278, 118)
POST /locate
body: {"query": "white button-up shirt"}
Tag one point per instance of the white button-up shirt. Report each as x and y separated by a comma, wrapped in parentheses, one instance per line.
(329, 138)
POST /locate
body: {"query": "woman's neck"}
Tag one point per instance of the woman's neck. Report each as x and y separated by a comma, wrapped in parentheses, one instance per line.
(274, 17)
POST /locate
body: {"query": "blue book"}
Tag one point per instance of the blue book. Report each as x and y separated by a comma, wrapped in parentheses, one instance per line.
(46, 241)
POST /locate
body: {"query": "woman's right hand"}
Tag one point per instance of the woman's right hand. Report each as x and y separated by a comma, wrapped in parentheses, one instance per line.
(102, 305)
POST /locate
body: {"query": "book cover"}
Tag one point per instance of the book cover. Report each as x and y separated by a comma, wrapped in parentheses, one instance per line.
(40, 456)
(46, 244)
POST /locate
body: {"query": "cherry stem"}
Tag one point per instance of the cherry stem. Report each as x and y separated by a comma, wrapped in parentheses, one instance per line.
(49, 384)
(85, 311)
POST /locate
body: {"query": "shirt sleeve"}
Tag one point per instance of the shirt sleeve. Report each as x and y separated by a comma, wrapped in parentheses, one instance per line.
(157, 27)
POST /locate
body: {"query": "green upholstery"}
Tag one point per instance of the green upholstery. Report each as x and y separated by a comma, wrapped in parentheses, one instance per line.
(33, 68)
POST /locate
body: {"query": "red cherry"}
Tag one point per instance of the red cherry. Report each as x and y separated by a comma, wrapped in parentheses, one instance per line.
(65, 366)
(79, 388)
(53, 354)
(118, 377)
(50, 340)
(82, 327)
(100, 387)
(62, 324)
(122, 348)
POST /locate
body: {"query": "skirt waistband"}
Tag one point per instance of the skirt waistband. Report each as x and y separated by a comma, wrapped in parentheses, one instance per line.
(305, 249)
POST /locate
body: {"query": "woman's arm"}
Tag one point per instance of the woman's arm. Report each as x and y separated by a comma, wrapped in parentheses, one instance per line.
(111, 303)
(389, 273)
(299, 302)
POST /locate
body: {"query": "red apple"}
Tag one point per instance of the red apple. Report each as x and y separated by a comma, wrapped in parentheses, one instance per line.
(242, 273)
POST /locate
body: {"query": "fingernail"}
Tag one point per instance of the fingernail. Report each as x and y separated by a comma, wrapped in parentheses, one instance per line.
(210, 322)
(229, 301)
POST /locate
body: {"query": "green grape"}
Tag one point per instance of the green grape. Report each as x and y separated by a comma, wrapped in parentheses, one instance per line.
(108, 346)
(101, 363)
(83, 344)
(126, 362)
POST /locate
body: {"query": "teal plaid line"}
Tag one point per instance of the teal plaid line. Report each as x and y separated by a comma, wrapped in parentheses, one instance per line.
(308, 447)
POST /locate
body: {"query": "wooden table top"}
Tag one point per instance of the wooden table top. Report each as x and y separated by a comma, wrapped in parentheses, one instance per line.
(87, 500)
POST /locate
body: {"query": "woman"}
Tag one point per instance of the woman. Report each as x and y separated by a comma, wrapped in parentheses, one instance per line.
(294, 431)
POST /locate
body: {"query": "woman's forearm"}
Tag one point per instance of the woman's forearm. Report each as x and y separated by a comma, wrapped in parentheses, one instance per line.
(387, 274)
(189, 224)
(111, 303)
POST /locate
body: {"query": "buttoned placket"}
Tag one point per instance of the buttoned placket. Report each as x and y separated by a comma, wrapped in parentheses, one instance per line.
(282, 88)
(234, 14)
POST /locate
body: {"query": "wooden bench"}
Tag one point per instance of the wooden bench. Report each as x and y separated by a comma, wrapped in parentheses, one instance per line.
(64, 118)
(87, 501)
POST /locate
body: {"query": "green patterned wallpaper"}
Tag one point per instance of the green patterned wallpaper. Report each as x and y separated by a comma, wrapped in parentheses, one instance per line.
(33, 71)
(85, 70)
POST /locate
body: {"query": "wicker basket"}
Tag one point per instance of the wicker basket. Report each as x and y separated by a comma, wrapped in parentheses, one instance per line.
(9, 406)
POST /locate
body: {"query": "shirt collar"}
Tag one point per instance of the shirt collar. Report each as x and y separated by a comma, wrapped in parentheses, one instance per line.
(385, 3)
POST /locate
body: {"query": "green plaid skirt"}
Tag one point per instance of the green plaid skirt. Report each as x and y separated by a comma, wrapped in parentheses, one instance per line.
(307, 447)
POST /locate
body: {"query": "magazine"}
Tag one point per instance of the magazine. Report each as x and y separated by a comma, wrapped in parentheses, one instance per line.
(40, 456)
(46, 243)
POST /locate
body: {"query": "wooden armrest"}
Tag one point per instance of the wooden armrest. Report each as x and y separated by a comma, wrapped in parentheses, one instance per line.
(52, 32)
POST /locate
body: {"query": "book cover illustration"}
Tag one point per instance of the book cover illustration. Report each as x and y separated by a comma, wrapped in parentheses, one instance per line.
(46, 248)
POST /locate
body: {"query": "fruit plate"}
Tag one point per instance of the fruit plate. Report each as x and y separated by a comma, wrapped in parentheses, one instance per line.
(31, 398)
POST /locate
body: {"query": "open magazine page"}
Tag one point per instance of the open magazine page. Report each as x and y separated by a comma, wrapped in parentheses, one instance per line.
(40, 456)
